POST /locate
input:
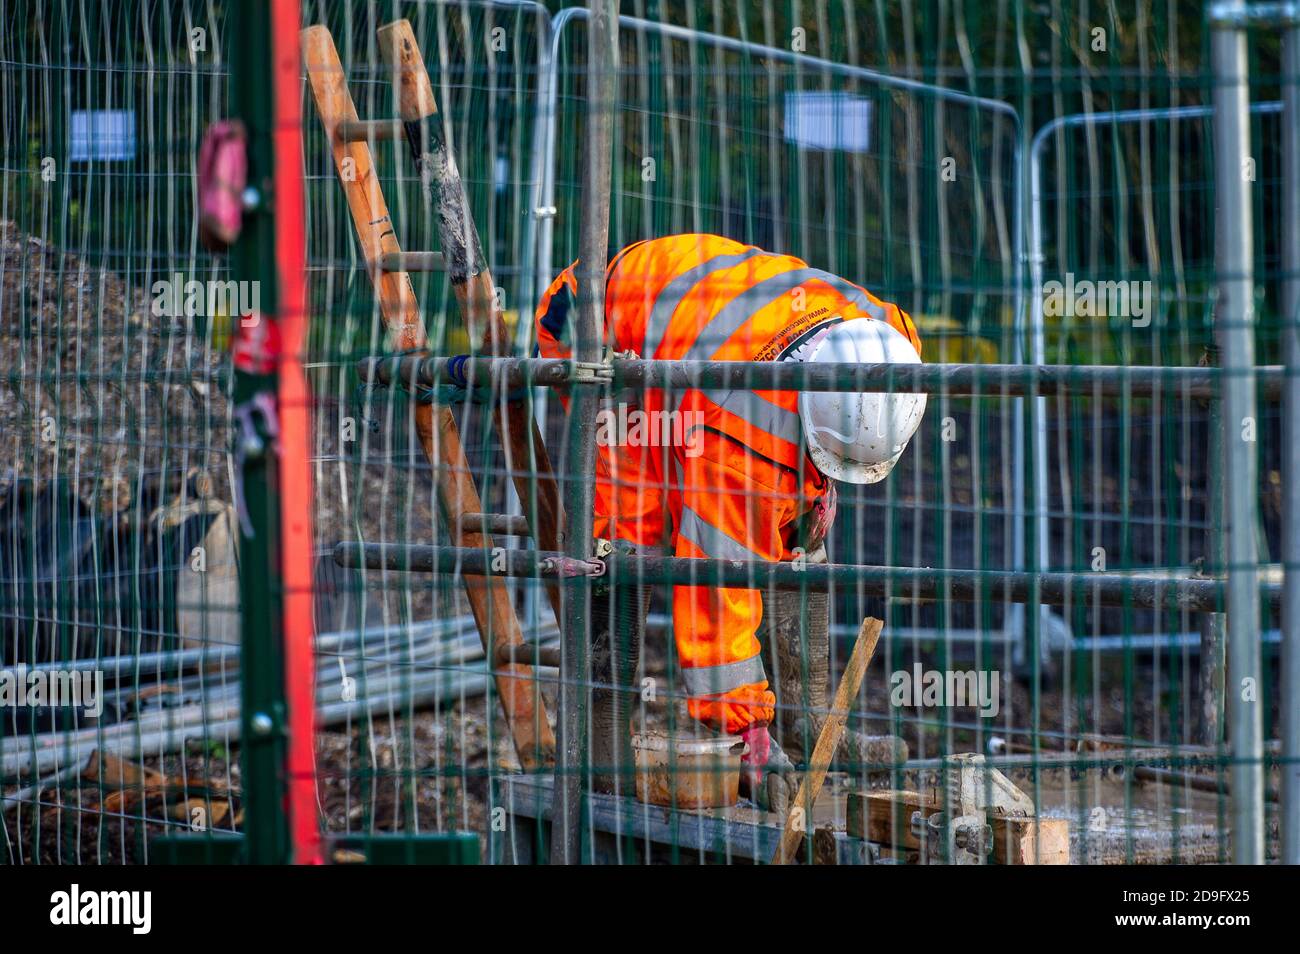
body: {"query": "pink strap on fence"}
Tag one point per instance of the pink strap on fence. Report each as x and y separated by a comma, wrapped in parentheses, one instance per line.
(223, 173)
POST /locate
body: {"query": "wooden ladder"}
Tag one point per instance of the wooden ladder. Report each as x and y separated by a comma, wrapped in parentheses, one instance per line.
(418, 123)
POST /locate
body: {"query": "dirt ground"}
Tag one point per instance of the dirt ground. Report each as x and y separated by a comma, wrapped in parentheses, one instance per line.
(437, 765)
(430, 771)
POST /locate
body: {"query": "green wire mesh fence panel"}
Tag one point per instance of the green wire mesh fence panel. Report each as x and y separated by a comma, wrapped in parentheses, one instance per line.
(958, 160)
(1124, 274)
(118, 540)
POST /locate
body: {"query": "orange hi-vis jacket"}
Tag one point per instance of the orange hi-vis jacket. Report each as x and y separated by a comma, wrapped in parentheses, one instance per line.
(723, 474)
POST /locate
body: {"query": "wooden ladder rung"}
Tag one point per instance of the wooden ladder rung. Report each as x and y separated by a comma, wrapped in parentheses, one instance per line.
(368, 130)
(510, 525)
(527, 654)
(412, 262)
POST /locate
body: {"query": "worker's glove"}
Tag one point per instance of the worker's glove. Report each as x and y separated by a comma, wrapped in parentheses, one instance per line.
(767, 776)
(818, 520)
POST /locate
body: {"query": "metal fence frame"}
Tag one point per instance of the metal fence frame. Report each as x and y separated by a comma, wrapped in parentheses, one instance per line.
(1037, 327)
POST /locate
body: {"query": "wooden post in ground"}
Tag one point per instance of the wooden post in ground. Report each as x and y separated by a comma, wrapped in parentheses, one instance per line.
(827, 740)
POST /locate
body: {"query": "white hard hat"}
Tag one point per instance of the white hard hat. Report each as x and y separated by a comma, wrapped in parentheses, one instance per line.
(853, 436)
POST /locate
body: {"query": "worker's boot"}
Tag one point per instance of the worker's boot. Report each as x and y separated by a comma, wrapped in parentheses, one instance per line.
(797, 639)
(618, 612)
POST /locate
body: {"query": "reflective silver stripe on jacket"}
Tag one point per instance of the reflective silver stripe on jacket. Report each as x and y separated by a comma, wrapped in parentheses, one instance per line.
(711, 680)
(713, 541)
(754, 410)
(747, 405)
(661, 315)
(732, 316)
(758, 412)
(853, 293)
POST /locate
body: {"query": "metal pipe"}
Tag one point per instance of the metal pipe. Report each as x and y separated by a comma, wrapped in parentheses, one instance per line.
(660, 624)
(526, 289)
(1234, 321)
(418, 682)
(783, 55)
(164, 663)
(955, 380)
(1054, 589)
(538, 276)
(1016, 622)
(173, 729)
(1290, 689)
(1215, 784)
(1191, 594)
(1189, 756)
(467, 561)
(587, 326)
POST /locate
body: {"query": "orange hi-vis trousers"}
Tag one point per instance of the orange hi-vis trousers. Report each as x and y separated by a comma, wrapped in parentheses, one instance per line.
(720, 474)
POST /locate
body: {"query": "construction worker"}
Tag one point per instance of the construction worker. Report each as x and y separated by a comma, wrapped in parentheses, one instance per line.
(741, 475)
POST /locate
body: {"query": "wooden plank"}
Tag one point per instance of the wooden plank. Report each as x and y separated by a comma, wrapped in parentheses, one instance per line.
(885, 817)
(828, 739)
(1031, 841)
(435, 426)
(412, 262)
(472, 283)
(505, 524)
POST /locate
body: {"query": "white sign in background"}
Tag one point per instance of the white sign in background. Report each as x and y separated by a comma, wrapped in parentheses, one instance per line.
(839, 121)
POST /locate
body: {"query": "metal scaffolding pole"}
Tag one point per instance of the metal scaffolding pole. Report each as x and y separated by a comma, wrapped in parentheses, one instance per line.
(1290, 695)
(1136, 591)
(1234, 262)
(602, 92)
(955, 380)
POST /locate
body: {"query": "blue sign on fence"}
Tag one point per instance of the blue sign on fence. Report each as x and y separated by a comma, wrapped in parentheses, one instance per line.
(107, 135)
